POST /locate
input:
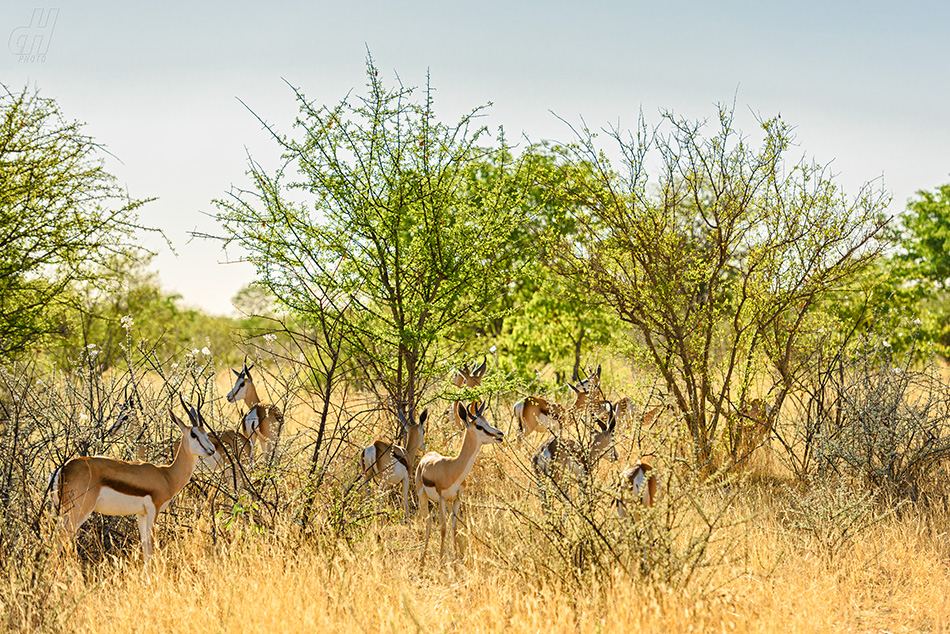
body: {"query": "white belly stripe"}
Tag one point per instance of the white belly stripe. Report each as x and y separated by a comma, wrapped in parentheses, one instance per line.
(111, 502)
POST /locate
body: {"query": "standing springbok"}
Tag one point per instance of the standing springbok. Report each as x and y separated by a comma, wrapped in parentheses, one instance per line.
(558, 456)
(440, 478)
(470, 377)
(116, 487)
(263, 421)
(391, 464)
(534, 412)
(638, 482)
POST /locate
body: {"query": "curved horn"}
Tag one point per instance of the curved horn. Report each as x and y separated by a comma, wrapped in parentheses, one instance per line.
(186, 407)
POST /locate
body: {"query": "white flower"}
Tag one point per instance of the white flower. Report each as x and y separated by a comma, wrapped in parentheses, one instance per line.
(174, 365)
(917, 321)
(493, 349)
(886, 343)
(83, 417)
(897, 370)
(194, 352)
(127, 322)
(206, 351)
(270, 337)
(90, 346)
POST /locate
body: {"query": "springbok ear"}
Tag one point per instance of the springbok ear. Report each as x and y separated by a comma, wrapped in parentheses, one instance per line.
(176, 420)
(236, 373)
(480, 370)
(462, 413)
(401, 418)
(424, 416)
(598, 370)
(603, 427)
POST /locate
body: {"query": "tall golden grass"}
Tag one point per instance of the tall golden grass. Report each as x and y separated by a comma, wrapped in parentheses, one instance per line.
(353, 566)
(891, 577)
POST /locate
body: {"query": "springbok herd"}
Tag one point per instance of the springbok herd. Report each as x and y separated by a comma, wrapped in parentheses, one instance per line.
(118, 487)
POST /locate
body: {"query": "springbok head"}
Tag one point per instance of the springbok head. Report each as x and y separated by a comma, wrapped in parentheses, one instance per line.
(602, 439)
(588, 385)
(413, 432)
(473, 418)
(240, 384)
(195, 436)
(128, 411)
(470, 376)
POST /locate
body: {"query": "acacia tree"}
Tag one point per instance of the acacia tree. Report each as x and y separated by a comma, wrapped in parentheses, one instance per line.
(63, 219)
(719, 264)
(384, 226)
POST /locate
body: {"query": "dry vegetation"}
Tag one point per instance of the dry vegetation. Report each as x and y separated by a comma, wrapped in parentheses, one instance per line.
(750, 550)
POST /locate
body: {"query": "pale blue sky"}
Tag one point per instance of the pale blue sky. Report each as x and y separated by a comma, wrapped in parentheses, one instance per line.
(867, 84)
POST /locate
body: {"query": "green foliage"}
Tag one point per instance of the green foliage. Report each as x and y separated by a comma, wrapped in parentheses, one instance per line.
(396, 238)
(916, 275)
(926, 238)
(136, 303)
(63, 219)
(541, 318)
(722, 262)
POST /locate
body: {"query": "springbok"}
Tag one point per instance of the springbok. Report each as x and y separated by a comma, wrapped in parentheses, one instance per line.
(469, 377)
(638, 481)
(558, 456)
(263, 421)
(534, 412)
(750, 428)
(128, 412)
(391, 464)
(116, 487)
(440, 478)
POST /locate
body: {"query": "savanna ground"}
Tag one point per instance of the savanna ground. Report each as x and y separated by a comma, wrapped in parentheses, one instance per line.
(750, 549)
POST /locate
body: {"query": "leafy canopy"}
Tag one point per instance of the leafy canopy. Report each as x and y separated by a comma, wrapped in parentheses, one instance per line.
(384, 225)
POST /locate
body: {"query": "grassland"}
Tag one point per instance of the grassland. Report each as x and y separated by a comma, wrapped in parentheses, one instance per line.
(757, 552)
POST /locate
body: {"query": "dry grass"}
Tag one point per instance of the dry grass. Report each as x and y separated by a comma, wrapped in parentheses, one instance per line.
(892, 577)
(356, 568)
